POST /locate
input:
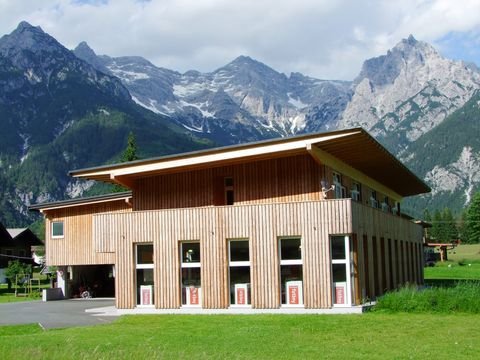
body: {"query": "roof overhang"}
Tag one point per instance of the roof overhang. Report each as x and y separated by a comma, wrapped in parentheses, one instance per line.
(123, 196)
(354, 147)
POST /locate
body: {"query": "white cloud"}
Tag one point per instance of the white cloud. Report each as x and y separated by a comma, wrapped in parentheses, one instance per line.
(321, 38)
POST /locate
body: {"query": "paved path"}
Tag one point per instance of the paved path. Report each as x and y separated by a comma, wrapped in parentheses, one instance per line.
(55, 314)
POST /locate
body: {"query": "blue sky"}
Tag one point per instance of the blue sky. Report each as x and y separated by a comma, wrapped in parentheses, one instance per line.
(321, 38)
(461, 46)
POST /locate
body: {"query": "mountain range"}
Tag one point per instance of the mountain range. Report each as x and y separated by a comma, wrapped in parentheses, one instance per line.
(63, 109)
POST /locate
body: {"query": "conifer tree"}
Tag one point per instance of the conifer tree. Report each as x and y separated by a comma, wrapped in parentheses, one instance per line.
(129, 154)
(472, 221)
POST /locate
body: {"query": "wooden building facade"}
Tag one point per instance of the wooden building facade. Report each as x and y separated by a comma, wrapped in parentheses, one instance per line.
(311, 221)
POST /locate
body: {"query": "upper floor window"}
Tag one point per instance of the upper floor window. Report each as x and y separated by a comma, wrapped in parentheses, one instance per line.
(356, 191)
(373, 199)
(229, 197)
(340, 191)
(57, 229)
(386, 204)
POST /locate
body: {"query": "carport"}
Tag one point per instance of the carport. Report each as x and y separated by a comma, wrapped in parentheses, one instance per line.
(97, 280)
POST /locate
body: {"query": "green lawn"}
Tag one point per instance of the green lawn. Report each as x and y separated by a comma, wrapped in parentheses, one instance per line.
(372, 336)
(452, 270)
(463, 264)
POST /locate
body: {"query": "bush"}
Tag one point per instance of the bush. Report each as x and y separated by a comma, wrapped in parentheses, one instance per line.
(17, 268)
(463, 297)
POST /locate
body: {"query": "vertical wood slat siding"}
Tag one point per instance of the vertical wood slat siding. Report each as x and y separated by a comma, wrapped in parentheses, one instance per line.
(262, 225)
(294, 178)
(403, 236)
(82, 243)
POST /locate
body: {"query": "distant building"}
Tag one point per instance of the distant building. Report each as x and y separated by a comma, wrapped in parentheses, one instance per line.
(311, 221)
(16, 244)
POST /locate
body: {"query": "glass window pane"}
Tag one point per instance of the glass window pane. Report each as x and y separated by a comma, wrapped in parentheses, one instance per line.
(229, 197)
(290, 249)
(338, 248)
(240, 285)
(239, 251)
(191, 252)
(191, 285)
(228, 181)
(144, 277)
(290, 274)
(57, 228)
(145, 254)
(339, 272)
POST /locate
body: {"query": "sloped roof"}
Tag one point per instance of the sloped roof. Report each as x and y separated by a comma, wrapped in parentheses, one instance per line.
(15, 232)
(5, 238)
(81, 201)
(355, 147)
(24, 237)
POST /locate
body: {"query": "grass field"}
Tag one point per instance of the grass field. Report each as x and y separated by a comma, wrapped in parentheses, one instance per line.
(451, 270)
(465, 252)
(463, 264)
(373, 336)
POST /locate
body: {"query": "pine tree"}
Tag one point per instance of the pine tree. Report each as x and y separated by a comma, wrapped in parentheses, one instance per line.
(129, 154)
(449, 230)
(435, 231)
(472, 221)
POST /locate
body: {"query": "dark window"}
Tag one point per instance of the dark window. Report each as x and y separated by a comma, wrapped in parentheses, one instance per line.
(145, 254)
(239, 251)
(338, 248)
(191, 252)
(229, 197)
(291, 249)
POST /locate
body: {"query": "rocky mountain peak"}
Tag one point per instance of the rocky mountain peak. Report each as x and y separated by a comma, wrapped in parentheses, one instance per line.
(86, 53)
(83, 48)
(245, 64)
(408, 91)
(23, 46)
(26, 26)
(384, 69)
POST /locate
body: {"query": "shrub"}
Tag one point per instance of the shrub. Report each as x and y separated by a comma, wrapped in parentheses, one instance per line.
(17, 268)
(463, 297)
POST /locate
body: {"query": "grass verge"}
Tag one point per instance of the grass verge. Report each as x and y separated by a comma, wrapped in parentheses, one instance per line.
(463, 297)
(373, 336)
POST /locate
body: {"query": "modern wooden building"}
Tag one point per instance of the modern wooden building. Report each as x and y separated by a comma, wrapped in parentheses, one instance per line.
(312, 221)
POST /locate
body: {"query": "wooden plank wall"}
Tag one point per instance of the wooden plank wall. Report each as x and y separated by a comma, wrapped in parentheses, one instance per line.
(399, 257)
(262, 225)
(78, 246)
(294, 178)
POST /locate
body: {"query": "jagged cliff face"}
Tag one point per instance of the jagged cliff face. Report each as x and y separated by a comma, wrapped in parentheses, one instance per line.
(39, 88)
(242, 101)
(58, 113)
(404, 94)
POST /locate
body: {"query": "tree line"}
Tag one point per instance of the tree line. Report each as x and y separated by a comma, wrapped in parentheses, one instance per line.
(447, 228)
